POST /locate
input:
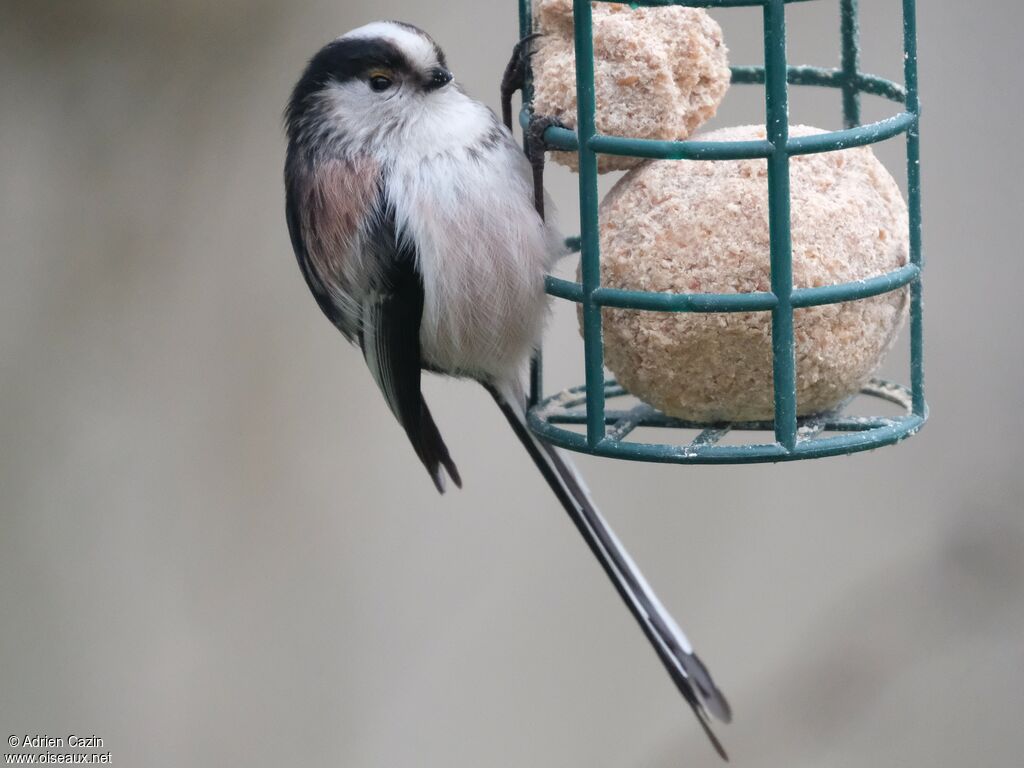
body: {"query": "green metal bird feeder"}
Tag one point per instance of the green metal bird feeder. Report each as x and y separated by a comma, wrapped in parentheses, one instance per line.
(592, 404)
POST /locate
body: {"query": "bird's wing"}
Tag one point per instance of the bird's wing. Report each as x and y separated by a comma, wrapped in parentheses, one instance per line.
(365, 280)
(328, 206)
(390, 339)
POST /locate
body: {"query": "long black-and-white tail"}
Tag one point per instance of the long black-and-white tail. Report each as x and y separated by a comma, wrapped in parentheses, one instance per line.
(684, 667)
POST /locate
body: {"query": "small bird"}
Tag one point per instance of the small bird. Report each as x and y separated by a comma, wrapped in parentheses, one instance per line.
(411, 212)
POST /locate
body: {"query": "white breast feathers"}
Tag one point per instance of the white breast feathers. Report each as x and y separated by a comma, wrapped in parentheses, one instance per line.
(461, 190)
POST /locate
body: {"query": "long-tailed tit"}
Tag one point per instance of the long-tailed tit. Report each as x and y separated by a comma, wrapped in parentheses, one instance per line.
(410, 209)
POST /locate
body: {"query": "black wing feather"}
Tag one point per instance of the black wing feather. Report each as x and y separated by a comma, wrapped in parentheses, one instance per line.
(390, 339)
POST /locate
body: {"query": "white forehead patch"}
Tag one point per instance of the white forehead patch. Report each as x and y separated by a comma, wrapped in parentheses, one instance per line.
(416, 47)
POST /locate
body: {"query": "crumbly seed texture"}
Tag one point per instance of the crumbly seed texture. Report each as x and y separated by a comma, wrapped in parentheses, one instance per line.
(659, 73)
(702, 227)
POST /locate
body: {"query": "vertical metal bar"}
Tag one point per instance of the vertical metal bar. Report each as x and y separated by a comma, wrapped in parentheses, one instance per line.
(526, 28)
(536, 389)
(914, 204)
(777, 126)
(850, 24)
(589, 240)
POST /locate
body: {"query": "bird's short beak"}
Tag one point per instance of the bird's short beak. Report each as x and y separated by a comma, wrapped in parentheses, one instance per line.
(439, 77)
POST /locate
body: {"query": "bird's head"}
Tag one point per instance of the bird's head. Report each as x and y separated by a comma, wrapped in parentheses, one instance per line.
(367, 82)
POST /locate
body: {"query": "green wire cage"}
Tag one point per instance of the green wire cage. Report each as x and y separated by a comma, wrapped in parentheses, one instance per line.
(607, 429)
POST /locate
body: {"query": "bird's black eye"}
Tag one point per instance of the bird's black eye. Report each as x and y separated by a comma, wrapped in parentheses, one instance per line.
(380, 83)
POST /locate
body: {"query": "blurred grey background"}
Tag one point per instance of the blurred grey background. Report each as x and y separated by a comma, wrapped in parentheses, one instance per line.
(217, 548)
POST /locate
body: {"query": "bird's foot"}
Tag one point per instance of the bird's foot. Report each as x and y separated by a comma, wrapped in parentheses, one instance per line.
(514, 78)
(535, 150)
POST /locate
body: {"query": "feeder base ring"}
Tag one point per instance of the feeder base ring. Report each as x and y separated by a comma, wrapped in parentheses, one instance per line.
(550, 418)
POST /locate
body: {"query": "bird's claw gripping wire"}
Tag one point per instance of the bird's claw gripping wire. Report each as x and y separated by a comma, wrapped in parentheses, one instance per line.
(514, 78)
